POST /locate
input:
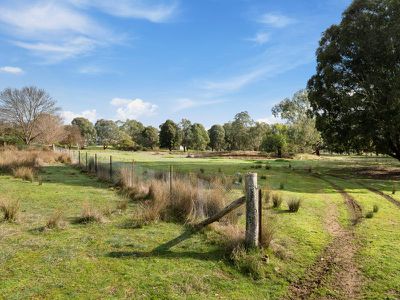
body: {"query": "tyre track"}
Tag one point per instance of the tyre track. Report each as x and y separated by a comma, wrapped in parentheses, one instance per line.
(335, 268)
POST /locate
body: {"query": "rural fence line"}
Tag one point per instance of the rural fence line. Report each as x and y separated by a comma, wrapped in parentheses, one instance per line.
(106, 168)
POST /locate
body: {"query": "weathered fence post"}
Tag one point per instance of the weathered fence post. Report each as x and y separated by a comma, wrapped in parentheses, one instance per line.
(252, 211)
(260, 217)
(86, 163)
(95, 163)
(170, 180)
(79, 158)
(132, 173)
(110, 168)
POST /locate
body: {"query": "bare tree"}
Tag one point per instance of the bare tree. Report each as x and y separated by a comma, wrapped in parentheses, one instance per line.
(23, 107)
(49, 129)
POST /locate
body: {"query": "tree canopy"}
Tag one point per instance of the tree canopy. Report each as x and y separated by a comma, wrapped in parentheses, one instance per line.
(355, 93)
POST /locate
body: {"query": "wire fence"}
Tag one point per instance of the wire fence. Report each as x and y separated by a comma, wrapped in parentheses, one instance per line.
(114, 170)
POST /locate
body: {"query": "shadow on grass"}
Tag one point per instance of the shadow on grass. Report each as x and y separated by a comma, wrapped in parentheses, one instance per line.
(164, 250)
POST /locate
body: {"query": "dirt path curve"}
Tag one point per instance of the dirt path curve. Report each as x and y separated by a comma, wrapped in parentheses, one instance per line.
(335, 268)
(374, 190)
(353, 206)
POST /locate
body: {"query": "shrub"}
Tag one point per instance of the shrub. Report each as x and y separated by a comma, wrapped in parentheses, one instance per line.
(55, 221)
(25, 173)
(263, 177)
(267, 235)
(369, 215)
(375, 208)
(267, 167)
(250, 263)
(230, 237)
(282, 186)
(10, 210)
(90, 214)
(276, 200)
(294, 204)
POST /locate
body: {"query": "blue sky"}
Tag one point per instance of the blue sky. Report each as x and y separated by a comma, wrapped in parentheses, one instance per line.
(151, 60)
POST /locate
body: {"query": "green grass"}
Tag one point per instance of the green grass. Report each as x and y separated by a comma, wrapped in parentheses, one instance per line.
(108, 260)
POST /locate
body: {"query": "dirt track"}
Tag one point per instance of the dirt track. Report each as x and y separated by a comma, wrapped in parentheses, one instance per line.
(335, 269)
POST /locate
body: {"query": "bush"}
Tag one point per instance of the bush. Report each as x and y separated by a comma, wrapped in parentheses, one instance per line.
(276, 200)
(55, 221)
(267, 167)
(250, 263)
(294, 204)
(267, 235)
(25, 173)
(375, 208)
(90, 214)
(263, 177)
(282, 186)
(10, 210)
(369, 215)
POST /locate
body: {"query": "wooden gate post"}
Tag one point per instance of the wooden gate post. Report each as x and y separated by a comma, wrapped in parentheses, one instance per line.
(252, 211)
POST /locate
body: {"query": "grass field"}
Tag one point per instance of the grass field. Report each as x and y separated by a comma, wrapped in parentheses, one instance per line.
(110, 260)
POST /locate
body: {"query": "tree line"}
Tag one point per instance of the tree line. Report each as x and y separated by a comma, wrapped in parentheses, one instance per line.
(29, 115)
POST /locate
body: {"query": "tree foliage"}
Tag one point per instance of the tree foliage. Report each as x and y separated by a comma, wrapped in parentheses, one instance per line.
(107, 132)
(150, 137)
(303, 135)
(170, 136)
(217, 137)
(87, 129)
(200, 139)
(355, 93)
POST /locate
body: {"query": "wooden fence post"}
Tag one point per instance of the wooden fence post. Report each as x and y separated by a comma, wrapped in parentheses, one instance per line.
(132, 173)
(110, 168)
(86, 163)
(252, 211)
(170, 180)
(95, 163)
(79, 158)
(260, 216)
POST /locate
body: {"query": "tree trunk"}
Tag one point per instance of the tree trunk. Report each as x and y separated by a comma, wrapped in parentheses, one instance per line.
(279, 152)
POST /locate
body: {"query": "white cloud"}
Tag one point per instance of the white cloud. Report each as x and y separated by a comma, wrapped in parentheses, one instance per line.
(275, 20)
(153, 11)
(186, 103)
(11, 70)
(133, 109)
(52, 29)
(233, 83)
(260, 38)
(68, 116)
(90, 70)
(272, 62)
(56, 52)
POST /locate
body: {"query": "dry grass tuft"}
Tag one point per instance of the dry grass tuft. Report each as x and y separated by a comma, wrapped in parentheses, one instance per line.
(25, 173)
(267, 235)
(56, 221)
(294, 204)
(10, 210)
(90, 214)
(276, 200)
(122, 205)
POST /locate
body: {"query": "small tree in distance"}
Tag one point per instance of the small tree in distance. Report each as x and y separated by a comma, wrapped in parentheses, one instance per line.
(23, 107)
